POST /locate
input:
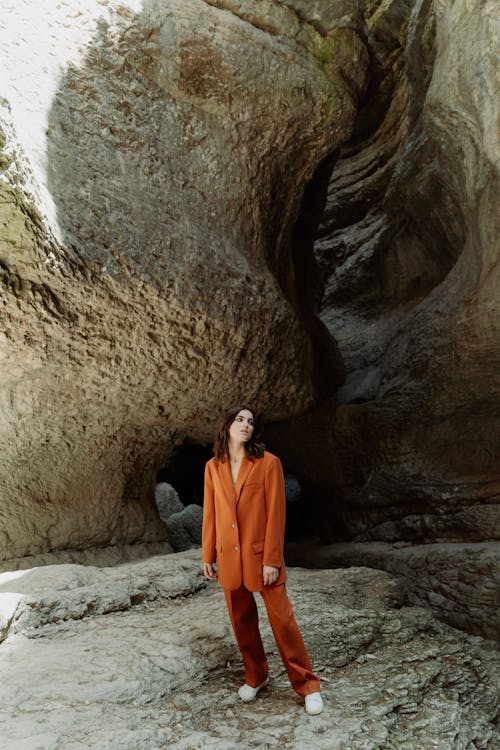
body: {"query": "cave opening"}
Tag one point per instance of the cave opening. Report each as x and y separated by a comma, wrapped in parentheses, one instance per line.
(184, 471)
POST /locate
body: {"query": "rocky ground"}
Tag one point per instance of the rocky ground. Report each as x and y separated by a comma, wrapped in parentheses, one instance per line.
(458, 582)
(140, 656)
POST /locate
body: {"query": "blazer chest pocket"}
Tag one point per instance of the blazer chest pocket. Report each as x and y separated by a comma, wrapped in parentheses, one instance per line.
(258, 547)
(253, 489)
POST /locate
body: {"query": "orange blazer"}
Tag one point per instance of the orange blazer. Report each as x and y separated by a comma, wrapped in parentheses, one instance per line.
(244, 526)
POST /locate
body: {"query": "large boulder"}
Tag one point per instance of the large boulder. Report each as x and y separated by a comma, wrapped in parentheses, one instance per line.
(154, 159)
(184, 528)
(167, 500)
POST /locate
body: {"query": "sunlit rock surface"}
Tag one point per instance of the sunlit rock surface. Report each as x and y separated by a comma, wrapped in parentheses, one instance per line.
(154, 158)
(141, 655)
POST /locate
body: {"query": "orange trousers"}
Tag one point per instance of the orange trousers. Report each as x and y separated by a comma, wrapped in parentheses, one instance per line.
(245, 621)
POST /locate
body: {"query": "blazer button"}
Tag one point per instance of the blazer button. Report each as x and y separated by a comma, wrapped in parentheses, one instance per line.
(236, 547)
(233, 525)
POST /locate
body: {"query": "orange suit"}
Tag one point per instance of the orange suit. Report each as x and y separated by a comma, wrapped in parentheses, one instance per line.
(244, 529)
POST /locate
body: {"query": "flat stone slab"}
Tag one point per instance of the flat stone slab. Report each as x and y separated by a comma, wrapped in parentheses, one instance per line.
(153, 664)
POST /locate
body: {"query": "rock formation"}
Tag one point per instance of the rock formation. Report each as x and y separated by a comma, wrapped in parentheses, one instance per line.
(459, 582)
(167, 500)
(141, 655)
(147, 278)
(184, 528)
(287, 203)
(407, 247)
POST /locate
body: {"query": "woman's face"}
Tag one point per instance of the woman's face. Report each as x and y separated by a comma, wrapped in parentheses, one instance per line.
(241, 428)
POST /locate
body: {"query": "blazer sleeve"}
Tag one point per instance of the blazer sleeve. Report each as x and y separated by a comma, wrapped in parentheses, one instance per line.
(208, 527)
(274, 487)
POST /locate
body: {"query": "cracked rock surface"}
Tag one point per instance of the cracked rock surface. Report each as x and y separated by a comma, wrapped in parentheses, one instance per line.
(141, 656)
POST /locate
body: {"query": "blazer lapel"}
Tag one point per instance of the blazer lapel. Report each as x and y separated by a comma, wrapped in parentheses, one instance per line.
(245, 469)
(227, 480)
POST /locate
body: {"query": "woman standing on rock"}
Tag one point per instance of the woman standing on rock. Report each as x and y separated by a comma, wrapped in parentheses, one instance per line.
(244, 530)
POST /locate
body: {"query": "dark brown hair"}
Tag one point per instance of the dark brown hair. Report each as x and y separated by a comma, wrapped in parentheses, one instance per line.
(253, 447)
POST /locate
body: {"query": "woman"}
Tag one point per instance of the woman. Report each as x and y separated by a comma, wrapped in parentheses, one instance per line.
(243, 530)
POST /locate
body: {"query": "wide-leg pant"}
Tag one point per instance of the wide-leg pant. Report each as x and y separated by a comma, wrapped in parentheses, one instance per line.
(245, 621)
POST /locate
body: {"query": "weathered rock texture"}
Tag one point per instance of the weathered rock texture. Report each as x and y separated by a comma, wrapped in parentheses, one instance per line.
(154, 158)
(164, 170)
(141, 655)
(184, 528)
(102, 556)
(167, 500)
(407, 249)
(460, 583)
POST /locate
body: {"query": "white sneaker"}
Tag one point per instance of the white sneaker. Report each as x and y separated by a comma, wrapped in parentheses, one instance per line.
(248, 693)
(314, 704)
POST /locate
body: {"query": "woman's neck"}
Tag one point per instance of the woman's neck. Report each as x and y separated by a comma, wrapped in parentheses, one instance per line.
(236, 451)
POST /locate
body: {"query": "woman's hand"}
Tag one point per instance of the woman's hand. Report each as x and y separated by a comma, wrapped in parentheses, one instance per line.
(270, 574)
(209, 571)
